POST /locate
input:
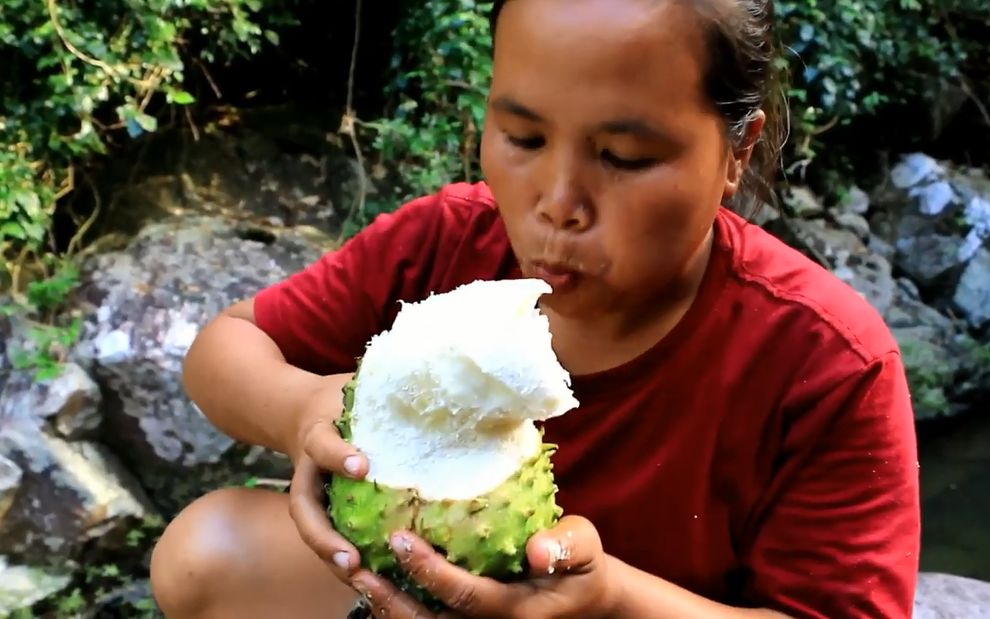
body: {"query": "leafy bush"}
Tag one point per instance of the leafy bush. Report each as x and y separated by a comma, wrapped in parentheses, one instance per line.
(74, 76)
(850, 63)
(77, 77)
(440, 67)
(853, 62)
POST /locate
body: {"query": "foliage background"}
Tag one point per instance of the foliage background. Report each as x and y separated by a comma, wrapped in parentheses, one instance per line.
(79, 78)
(83, 80)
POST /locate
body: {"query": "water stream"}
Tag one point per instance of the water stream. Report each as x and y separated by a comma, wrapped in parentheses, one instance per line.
(955, 493)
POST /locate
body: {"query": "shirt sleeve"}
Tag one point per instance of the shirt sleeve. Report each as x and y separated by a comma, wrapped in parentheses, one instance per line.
(840, 533)
(322, 317)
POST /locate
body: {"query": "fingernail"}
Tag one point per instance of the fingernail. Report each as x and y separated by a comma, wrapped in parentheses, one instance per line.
(342, 560)
(400, 543)
(352, 464)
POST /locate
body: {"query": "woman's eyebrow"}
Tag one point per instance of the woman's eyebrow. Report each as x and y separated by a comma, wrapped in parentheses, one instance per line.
(632, 126)
(511, 106)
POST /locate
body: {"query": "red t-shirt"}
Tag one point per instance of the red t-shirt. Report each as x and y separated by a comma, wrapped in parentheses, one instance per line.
(763, 453)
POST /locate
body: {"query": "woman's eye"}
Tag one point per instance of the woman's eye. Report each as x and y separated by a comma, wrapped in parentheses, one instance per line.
(626, 164)
(530, 143)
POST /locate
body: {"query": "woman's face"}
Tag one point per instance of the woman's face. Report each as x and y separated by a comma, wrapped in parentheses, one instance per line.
(606, 160)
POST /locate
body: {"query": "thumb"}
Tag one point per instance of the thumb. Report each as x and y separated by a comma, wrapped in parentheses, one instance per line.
(572, 546)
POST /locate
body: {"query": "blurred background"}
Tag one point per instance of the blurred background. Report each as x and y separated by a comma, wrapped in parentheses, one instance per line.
(160, 159)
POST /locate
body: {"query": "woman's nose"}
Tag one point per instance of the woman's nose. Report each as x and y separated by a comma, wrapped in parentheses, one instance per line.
(565, 207)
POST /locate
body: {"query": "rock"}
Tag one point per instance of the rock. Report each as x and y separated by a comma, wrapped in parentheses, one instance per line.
(855, 202)
(854, 223)
(848, 258)
(56, 497)
(924, 179)
(881, 248)
(945, 366)
(944, 596)
(936, 217)
(977, 214)
(802, 202)
(948, 100)
(22, 586)
(928, 257)
(67, 495)
(129, 600)
(144, 305)
(291, 169)
(763, 214)
(91, 456)
(8, 341)
(972, 297)
(10, 481)
(71, 400)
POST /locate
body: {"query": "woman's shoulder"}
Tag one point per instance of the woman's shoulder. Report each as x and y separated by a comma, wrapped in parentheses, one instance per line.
(438, 241)
(455, 205)
(457, 223)
(770, 272)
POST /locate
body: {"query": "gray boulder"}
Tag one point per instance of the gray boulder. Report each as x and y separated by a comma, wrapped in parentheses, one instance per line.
(60, 490)
(71, 400)
(61, 496)
(22, 586)
(972, 296)
(802, 202)
(143, 305)
(855, 202)
(936, 217)
(10, 480)
(944, 596)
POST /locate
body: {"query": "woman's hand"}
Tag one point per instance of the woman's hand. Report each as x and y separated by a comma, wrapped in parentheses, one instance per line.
(569, 577)
(319, 450)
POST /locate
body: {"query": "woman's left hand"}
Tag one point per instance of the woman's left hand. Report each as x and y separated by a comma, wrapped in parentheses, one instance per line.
(569, 577)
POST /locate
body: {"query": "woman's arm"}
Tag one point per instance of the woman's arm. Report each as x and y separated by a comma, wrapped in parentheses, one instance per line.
(242, 383)
(641, 595)
(253, 368)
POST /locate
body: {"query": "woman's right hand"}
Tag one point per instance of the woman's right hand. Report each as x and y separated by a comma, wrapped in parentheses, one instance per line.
(319, 450)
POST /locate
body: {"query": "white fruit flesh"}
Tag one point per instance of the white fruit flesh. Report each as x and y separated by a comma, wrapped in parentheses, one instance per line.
(447, 398)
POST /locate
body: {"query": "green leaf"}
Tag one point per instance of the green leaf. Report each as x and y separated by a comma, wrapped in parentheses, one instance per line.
(12, 230)
(35, 230)
(147, 122)
(180, 97)
(29, 202)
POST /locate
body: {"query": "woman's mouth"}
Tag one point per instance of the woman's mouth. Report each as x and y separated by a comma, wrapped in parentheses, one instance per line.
(559, 277)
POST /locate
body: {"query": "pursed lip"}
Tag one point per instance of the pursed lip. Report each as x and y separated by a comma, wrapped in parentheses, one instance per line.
(559, 276)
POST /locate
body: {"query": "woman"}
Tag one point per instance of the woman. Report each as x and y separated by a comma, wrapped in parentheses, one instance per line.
(745, 442)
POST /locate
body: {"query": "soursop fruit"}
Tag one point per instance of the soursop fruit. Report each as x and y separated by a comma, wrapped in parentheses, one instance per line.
(445, 405)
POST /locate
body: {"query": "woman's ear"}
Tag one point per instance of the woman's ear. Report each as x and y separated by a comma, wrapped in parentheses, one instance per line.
(742, 153)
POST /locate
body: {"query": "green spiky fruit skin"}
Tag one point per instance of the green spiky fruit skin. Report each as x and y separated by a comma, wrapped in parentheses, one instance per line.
(485, 535)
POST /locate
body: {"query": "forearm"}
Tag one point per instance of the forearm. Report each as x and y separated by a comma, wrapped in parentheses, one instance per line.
(642, 595)
(241, 381)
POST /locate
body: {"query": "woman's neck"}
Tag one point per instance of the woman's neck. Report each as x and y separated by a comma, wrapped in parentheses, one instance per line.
(607, 341)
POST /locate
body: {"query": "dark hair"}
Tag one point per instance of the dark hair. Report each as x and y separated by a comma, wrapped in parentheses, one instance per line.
(742, 78)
